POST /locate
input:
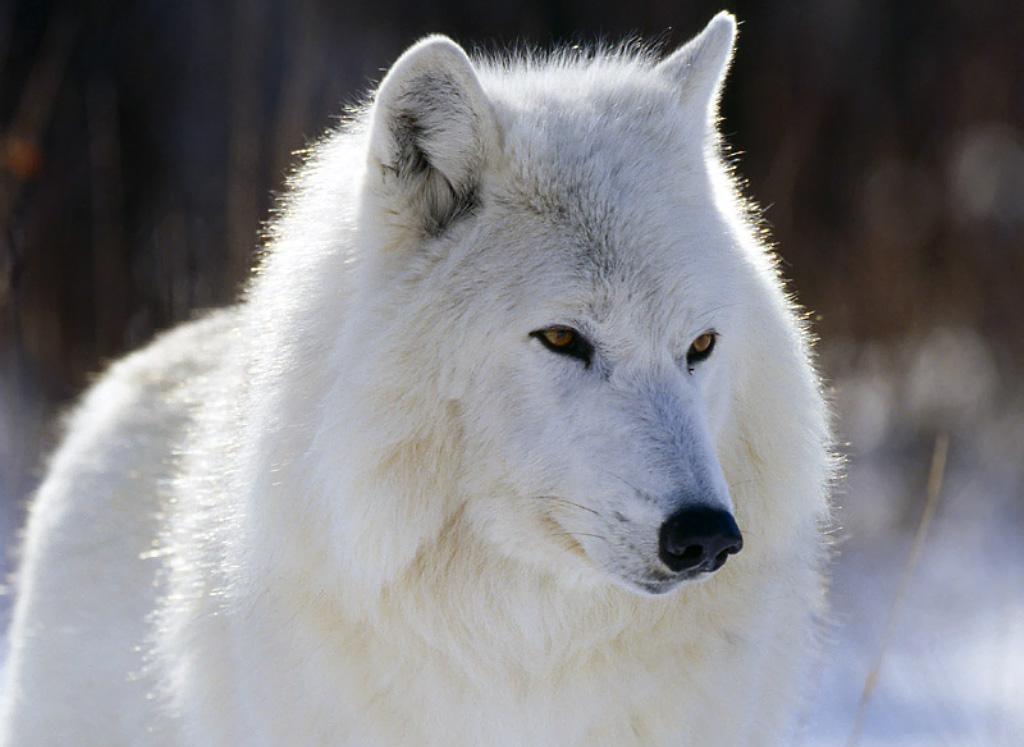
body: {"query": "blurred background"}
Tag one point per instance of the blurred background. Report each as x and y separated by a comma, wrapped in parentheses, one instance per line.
(141, 144)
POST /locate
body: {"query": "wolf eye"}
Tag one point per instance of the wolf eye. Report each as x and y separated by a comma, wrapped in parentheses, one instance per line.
(566, 341)
(700, 349)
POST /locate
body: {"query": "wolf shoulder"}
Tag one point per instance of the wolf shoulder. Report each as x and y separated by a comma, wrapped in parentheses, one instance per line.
(89, 573)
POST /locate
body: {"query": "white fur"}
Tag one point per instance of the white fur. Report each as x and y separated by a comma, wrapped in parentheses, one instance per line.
(365, 507)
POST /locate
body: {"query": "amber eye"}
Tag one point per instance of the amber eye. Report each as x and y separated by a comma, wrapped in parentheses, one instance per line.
(566, 341)
(700, 349)
(558, 337)
(703, 343)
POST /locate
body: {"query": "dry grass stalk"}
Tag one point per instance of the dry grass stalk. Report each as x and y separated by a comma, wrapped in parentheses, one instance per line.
(936, 474)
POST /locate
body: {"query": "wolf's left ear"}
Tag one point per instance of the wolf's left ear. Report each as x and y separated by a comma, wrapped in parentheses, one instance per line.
(699, 67)
(431, 131)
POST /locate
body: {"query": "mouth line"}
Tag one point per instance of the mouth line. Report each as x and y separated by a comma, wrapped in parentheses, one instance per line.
(658, 583)
(658, 589)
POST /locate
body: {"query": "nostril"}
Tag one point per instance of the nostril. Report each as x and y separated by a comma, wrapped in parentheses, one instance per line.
(681, 559)
(699, 537)
(693, 552)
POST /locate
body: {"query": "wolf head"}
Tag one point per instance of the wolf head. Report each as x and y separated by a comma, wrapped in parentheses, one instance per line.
(555, 291)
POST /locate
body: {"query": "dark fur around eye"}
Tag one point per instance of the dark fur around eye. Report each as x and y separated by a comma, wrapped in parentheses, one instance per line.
(580, 347)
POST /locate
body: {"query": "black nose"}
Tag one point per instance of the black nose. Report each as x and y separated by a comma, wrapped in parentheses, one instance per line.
(699, 538)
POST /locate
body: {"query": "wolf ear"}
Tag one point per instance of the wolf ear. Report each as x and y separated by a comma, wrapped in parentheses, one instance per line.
(431, 131)
(700, 65)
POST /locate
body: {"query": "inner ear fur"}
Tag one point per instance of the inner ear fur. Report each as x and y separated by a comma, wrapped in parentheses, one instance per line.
(432, 131)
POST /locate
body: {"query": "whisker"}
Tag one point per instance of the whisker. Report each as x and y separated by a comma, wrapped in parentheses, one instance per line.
(576, 535)
(624, 481)
(559, 499)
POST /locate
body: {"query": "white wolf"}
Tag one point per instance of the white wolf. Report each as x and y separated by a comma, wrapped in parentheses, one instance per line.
(462, 467)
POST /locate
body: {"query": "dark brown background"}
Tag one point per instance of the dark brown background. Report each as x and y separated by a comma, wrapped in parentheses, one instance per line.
(143, 140)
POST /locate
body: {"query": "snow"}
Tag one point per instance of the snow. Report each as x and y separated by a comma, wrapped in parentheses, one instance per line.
(953, 671)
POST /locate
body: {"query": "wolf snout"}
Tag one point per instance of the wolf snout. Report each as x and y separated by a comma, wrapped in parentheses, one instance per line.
(698, 539)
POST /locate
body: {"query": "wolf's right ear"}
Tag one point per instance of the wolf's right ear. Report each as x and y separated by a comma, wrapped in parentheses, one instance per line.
(699, 67)
(431, 131)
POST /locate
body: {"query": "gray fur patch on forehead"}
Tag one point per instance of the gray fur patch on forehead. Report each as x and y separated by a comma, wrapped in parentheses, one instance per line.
(599, 187)
(582, 144)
